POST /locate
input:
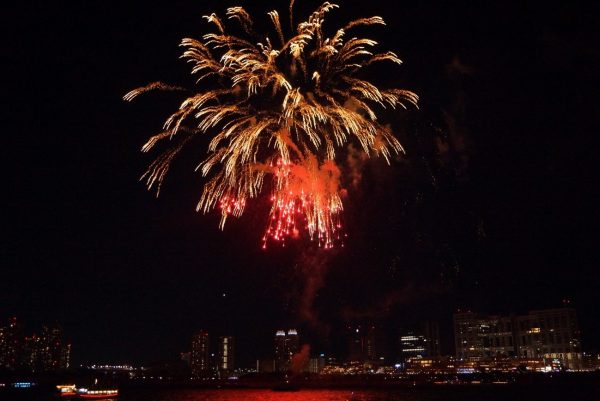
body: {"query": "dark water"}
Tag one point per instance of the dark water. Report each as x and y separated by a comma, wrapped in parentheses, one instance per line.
(568, 392)
(487, 393)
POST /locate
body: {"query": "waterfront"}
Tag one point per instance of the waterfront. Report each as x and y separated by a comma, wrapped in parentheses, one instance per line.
(548, 392)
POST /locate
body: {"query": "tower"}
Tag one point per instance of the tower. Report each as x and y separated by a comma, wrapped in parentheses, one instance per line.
(280, 355)
(286, 345)
(10, 344)
(200, 359)
(292, 343)
(355, 343)
(226, 355)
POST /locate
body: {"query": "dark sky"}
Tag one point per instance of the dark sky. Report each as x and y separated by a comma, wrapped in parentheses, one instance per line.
(494, 207)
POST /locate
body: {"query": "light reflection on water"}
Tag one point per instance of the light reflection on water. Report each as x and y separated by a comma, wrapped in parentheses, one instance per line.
(508, 393)
(589, 391)
(269, 395)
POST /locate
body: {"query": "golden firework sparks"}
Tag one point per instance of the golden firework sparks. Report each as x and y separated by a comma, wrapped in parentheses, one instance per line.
(279, 112)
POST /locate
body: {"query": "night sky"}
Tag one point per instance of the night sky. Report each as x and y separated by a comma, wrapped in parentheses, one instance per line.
(493, 208)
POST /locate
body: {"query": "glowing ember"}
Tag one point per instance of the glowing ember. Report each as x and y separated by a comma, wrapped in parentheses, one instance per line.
(279, 112)
(230, 205)
(306, 196)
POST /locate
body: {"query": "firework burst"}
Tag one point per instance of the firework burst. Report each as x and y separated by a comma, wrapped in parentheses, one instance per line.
(277, 109)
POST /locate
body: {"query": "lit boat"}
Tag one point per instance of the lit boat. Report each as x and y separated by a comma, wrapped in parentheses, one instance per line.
(97, 394)
(66, 390)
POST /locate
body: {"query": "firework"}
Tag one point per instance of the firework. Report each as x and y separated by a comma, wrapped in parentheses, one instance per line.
(276, 110)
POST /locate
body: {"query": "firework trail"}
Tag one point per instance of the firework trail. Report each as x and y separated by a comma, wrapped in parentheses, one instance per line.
(276, 111)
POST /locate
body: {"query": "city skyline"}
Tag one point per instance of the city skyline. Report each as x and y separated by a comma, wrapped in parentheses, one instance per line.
(492, 208)
(41, 352)
(547, 333)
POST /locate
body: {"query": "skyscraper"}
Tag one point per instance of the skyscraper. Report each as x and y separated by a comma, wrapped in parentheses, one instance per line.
(365, 343)
(374, 344)
(286, 345)
(421, 341)
(431, 331)
(46, 352)
(292, 343)
(10, 344)
(412, 345)
(226, 356)
(355, 343)
(280, 354)
(52, 348)
(200, 359)
(65, 357)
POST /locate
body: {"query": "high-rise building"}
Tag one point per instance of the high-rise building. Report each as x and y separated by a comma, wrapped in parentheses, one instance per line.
(481, 336)
(226, 355)
(374, 344)
(292, 343)
(316, 365)
(200, 358)
(280, 353)
(10, 344)
(46, 352)
(30, 357)
(65, 357)
(365, 343)
(421, 342)
(356, 343)
(52, 352)
(286, 345)
(550, 333)
(431, 331)
(412, 345)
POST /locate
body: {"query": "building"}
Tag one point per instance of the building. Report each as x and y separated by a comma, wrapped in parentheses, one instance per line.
(549, 333)
(373, 344)
(591, 362)
(481, 336)
(431, 331)
(420, 342)
(439, 365)
(226, 356)
(355, 343)
(53, 354)
(265, 366)
(200, 357)
(46, 352)
(10, 345)
(286, 345)
(316, 365)
(412, 345)
(280, 361)
(65, 357)
(365, 343)
(186, 357)
(292, 343)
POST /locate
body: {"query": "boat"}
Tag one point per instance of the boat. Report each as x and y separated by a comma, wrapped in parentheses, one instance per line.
(66, 390)
(70, 391)
(97, 394)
